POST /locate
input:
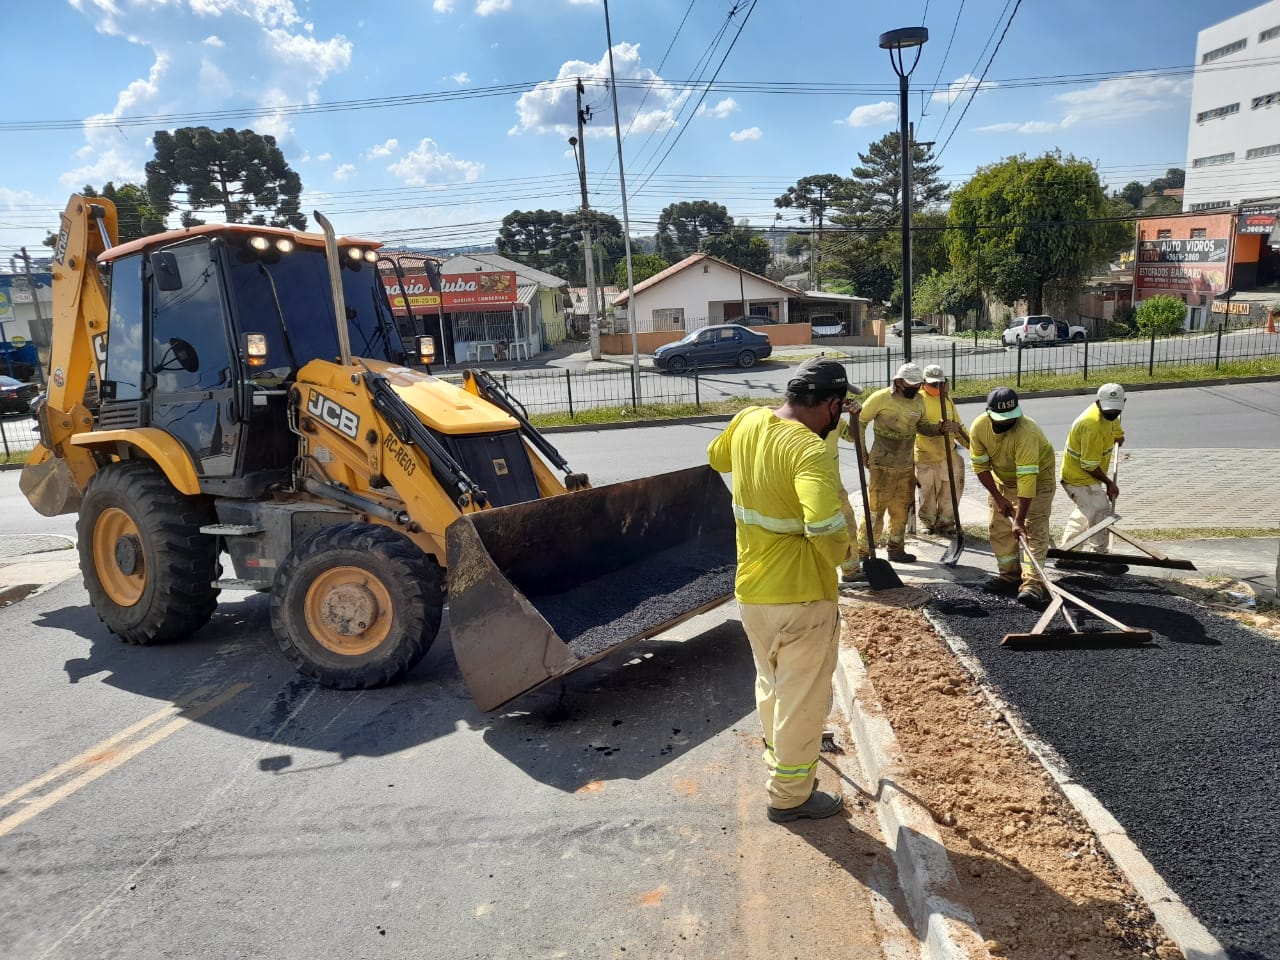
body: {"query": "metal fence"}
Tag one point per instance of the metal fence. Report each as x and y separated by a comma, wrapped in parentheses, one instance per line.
(17, 437)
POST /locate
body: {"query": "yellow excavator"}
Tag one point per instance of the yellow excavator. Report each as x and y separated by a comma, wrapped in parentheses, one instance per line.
(255, 401)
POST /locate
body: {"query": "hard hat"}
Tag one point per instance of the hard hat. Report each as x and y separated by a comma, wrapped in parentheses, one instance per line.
(911, 373)
(1111, 396)
(933, 374)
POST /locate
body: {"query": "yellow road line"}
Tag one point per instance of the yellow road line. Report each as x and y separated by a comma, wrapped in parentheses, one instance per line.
(104, 759)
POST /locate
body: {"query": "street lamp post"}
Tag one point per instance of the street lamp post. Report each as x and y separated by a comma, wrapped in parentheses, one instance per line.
(897, 42)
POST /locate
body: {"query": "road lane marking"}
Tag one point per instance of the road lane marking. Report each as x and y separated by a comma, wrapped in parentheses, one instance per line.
(101, 761)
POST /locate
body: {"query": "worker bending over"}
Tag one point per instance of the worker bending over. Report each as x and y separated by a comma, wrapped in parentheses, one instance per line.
(1016, 463)
(849, 567)
(931, 457)
(896, 416)
(1085, 463)
(791, 534)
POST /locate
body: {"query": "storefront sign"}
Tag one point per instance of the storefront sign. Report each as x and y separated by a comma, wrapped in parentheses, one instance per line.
(1181, 266)
(457, 290)
(1224, 306)
(1183, 251)
(1258, 218)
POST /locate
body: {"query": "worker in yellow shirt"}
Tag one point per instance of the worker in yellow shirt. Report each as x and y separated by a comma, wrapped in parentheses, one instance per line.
(1085, 463)
(791, 535)
(895, 415)
(849, 567)
(931, 458)
(1016, 464)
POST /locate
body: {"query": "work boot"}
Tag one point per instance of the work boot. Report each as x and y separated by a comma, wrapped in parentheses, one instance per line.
(1033, 595)
(1000, 586)
(857, 575)
(818, 806)
(898, 555)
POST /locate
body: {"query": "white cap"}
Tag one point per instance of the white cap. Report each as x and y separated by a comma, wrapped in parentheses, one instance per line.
(1111, 396)
(933, 374)
(911, 373)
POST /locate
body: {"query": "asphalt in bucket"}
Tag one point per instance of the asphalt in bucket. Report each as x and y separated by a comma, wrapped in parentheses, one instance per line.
(1180, 739)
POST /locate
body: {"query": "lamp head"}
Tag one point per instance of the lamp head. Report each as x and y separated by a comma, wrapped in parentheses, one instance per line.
(904, 38)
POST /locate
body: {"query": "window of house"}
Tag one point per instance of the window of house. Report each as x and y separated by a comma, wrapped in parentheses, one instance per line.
(1270, 34)
(1224, 51)
(1266, 100)
(1267, 151)
(668, 318)
(1217, 112)
(1197, 233)
(1164, 234)
(1210, 205)
(1214, 160)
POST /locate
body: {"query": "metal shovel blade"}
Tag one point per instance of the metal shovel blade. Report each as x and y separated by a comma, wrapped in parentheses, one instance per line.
(952, 556)
(880, 575)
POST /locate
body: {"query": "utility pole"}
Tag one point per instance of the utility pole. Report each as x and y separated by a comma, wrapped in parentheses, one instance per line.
(626, 215)
(579, 145)
(35, 302)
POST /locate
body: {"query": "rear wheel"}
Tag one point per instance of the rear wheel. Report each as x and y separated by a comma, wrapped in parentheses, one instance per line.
(356, 606)
(1078, 337)
(677, 364)
(147, 567)
(746, 359)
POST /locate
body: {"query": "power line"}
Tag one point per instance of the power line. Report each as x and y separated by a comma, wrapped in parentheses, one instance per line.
(946, 54)
(974, 92)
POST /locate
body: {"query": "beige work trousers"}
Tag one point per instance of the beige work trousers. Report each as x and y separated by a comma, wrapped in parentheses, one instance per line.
(794, 646)
(935, 492)
(1092, 506)
(1012, 561)
(891, 492)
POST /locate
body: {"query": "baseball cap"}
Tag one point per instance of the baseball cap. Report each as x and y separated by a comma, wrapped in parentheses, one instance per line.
(933, 374)
(819, 373)
(1002, 404)
(911, 373)
(1111, 396)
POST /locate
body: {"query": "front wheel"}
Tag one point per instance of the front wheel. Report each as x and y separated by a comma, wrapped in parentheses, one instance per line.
(746, 359)
(677, 364)
(356, 606)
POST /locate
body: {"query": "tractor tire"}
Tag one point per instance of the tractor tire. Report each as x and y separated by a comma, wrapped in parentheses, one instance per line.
(356, 606)
(147, 567)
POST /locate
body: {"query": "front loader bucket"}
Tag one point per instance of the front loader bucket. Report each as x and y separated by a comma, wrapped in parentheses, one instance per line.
(539, 589)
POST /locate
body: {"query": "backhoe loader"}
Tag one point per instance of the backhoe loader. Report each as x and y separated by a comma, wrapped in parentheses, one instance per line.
(256, 401)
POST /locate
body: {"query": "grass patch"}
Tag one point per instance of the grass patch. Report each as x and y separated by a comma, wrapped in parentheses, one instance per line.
(17, 456)
(1129, 376)
(644, 412)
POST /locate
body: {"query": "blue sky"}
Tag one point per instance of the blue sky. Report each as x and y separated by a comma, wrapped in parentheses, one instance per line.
(445, 172)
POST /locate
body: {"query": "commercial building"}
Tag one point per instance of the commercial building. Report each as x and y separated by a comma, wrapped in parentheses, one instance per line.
(1233, 144)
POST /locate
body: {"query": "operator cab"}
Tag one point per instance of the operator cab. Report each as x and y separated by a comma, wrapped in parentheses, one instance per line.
(209, 326)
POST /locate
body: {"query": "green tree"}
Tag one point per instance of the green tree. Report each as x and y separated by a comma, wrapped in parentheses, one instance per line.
(1161, 316)
(1132, 193)
(643, 266)
(1163, 207)
(740, 247)
(683, 226)
(1174, 178)
(1030, 222)
(543, 239)
(135, 215)
(954, 292)
(814, 195)
(241, 172)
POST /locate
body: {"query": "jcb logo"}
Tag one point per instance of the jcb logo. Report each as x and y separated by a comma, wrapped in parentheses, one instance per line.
(337, 416)
(100, 354)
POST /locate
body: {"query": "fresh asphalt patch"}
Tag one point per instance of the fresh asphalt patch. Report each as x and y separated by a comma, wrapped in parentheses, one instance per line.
(1179, 739)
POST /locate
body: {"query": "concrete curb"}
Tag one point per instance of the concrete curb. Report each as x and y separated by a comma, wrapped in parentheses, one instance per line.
(1175, 918)
(946, 929)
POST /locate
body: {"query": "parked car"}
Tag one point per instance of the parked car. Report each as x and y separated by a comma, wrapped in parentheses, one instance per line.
(16, 396)
(729, 343)
(1039, 329)
(827, 325)
(917, 326)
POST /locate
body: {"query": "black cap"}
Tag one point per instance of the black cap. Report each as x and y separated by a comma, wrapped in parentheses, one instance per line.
(1002, 404)
(819, 373)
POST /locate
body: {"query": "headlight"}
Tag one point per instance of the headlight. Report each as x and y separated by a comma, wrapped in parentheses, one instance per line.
(261, 244)
(255, 349)
(284, 245)
(371, 256)
(355, 253)
(426, 348)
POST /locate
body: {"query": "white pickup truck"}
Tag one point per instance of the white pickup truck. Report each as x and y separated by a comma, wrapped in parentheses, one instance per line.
(1041, 329)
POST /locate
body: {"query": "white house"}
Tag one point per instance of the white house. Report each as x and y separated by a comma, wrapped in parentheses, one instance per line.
(702, 290)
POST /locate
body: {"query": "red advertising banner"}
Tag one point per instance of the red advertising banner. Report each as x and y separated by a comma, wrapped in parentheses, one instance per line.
(1184, 266)
(457, 290)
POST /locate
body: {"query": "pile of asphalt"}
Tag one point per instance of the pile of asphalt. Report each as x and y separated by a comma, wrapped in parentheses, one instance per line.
(1180, 740)
(640, 598)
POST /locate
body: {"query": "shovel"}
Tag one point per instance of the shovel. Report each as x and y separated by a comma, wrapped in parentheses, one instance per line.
(880, 575)
(952, 556)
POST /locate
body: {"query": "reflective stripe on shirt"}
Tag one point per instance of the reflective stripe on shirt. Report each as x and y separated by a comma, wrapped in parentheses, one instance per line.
(892, 434)
(1024, 471)
(824, 527)
(772, 524)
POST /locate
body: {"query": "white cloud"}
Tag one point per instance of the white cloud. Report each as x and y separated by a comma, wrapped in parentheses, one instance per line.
(750, 133)
(1125, 97)
(486, 7)
(550, 107)
(461, 79)
(442, 6)
(959, 87)
(325, 157)
(345, 172)
(383, 149)
(426, 164)
(871, 114)
(1030, 126)
(721, 110)
(196, 71)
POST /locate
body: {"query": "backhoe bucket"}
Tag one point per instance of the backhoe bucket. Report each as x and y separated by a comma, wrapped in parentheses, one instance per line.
(539, 589)
(48, 484)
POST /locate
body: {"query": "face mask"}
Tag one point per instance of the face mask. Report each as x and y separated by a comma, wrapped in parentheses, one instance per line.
(1004, 426)
(1110, 414)
(931, 390)
(835, 422)
(910, 392)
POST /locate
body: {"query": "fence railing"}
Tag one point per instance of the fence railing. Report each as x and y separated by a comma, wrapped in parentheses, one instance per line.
(17, 437)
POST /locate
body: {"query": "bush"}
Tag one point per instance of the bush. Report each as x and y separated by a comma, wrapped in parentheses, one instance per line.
(1119, 331)
(1126, 315)
(1161, 316)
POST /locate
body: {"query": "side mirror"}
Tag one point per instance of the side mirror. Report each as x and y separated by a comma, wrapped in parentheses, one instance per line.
(426, 349)
(185, 354)
(164, 266)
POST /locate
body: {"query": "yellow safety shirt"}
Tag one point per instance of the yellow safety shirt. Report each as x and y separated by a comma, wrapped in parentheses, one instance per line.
(934, 449)
(833, 446)
(894, 420)
(791, 533)
(1089, 446)
(1021, 456)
